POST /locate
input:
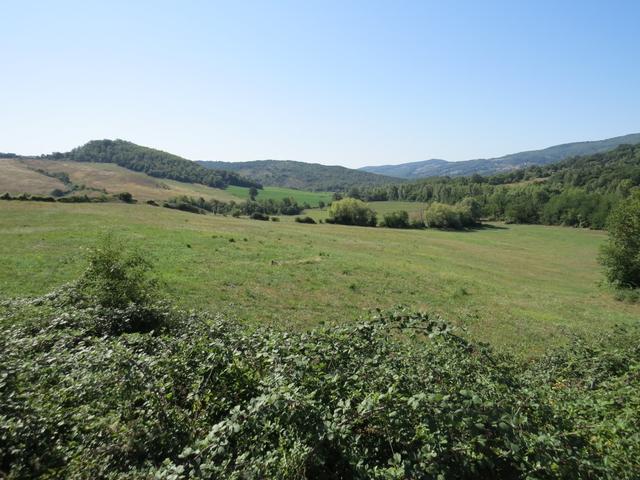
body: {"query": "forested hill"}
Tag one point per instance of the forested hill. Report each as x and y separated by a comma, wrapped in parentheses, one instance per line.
(300, 175)
(578, 191)
(441, 168)
(155, 163)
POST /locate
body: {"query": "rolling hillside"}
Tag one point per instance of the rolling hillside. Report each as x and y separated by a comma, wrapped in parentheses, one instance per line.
(38, 176)
(440, 168)
(155, 163)
(300, 175)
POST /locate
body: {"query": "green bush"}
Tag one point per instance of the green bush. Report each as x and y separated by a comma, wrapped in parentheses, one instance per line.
(621, 255)
(350, 211)
(397, 395)
(259, 216)
(399, 219)
(305, 220)
(118, 275)
(465, 214)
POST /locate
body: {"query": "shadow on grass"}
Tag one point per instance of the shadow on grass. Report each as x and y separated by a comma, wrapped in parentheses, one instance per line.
(478, 228)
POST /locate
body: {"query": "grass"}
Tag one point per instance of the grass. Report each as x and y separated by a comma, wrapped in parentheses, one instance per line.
(276, 193)
(415, 209)
(519, 287)
(19, 176)
(16, 178)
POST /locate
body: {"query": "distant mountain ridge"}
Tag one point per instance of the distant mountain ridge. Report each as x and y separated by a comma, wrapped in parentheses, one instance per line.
(556, 153)
(301, 175)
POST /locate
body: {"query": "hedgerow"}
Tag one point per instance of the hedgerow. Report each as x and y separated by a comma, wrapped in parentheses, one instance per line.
(88, 389)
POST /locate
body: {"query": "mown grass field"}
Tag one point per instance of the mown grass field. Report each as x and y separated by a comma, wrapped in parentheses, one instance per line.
(521, 287)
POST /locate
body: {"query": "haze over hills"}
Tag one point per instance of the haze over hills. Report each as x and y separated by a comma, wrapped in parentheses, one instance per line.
(301, 175)
(439, 167)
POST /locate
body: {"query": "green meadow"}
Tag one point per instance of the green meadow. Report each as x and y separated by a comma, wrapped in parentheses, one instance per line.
(278, 193)
(521, 287)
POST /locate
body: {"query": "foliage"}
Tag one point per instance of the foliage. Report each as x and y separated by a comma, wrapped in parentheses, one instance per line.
(621, 255)
(125, 197)
(398, 395)
(259, 216)
(397, 219)
(350, 211)
(118, 276)
(153, 162)
(440, 215)
(305, 220)
(556, 153)
(580, 191)
(301, 175)
(268, 206)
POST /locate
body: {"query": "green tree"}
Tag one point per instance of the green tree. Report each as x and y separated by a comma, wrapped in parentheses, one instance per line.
(253, 193)
(398, 219)
(621, 255)
(350, 211)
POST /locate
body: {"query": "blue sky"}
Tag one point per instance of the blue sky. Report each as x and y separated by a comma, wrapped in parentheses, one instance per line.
(350, 83)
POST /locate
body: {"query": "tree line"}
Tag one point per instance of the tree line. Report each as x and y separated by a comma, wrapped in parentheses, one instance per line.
(269, 206)
(580, 191)
(153, 162)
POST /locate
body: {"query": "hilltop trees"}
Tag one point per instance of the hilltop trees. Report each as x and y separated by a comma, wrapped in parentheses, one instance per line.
(621, 255)
(351, 211)
(155, 163)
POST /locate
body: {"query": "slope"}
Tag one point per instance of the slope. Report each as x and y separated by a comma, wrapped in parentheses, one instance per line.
(440, 168)
(301, 175)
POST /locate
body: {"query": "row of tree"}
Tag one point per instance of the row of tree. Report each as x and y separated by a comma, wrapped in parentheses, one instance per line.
(351, 211)
(153, 162)
(269, 206)
(581, 191)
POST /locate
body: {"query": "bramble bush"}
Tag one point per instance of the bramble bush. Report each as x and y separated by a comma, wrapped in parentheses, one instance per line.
(397, 395)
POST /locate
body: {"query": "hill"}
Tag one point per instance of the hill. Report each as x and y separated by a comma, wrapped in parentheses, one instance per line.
(66, 178)
(441, 168)
(580, 191)
(155, 163)
(301, 175)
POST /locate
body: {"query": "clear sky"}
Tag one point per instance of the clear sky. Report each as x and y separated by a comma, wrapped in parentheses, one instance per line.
(345, 82)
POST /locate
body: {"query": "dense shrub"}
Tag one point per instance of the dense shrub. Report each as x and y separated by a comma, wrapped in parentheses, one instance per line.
(399, 395)
(258, 216)
(305, 220)
(621, 255)
(89, 390)
(350, 211)
(399, 219)
(461, 215)
(269, 206)
(125, 197)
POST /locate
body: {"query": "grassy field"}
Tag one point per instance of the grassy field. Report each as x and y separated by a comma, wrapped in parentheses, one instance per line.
(415, 209)
(276, 193)
(16, 178)
(20, 176)
(521, 287)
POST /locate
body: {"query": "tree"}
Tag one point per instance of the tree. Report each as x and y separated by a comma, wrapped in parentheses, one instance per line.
(350, 211)
(399, 219)
(253, 193)
(321, 204)
(621, 255)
